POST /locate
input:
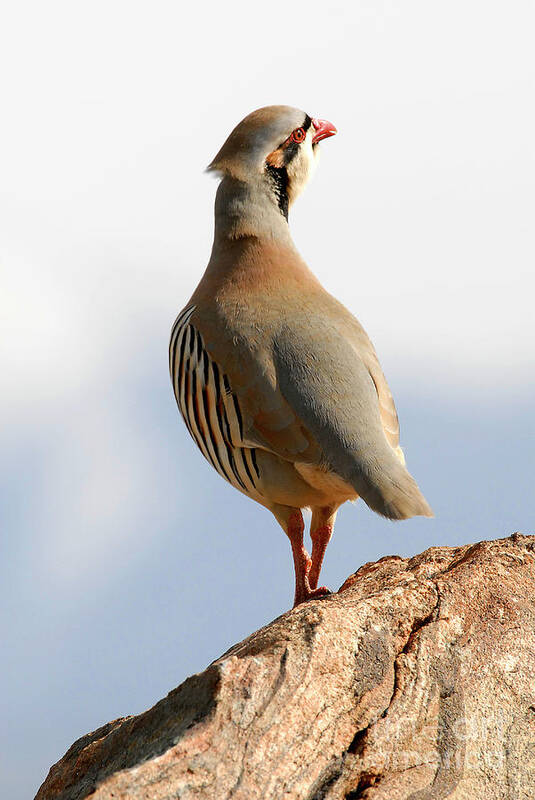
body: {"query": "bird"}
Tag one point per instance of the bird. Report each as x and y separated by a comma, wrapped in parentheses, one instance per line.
(278, 383)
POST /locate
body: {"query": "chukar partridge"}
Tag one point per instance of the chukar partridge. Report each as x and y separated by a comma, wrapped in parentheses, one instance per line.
(277, 382)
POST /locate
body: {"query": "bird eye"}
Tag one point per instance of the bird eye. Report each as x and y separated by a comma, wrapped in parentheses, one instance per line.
(298, 135)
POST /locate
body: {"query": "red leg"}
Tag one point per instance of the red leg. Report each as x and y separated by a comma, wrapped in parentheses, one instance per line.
(291, 520)
(302, 562)
(321, 530)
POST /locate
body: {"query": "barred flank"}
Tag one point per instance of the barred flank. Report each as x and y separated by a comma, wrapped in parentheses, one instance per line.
(208, 406)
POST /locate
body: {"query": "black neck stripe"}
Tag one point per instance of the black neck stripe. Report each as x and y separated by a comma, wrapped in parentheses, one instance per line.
(279, 177)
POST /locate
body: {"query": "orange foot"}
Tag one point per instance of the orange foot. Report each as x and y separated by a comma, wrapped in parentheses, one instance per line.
(307, 593)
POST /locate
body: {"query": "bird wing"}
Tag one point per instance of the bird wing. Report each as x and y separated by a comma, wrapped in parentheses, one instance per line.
(351, 330)
(313, 392)
(335, 386)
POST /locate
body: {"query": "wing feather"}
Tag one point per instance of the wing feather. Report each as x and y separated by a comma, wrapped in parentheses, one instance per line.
(315, 394)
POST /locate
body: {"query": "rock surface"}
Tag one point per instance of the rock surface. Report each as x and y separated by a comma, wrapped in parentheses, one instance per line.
(416, 680)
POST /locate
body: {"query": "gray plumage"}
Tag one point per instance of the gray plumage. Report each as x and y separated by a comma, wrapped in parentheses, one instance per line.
(278, 383)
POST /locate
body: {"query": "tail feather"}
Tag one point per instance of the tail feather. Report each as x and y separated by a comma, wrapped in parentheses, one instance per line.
(390, 490)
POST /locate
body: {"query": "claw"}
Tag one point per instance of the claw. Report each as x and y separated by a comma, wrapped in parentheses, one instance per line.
(311, 594)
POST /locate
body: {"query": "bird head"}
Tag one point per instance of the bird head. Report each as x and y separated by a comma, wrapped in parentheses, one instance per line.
(276, 146)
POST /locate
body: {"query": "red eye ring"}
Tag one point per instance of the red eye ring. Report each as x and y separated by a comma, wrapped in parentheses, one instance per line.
(298, 136)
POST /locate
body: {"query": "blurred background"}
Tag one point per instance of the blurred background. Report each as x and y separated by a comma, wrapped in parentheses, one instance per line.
(127, 563)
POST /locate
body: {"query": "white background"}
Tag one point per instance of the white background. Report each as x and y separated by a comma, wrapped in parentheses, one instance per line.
(127, 563)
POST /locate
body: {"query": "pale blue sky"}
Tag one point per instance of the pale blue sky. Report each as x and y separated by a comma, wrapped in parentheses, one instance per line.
(127, 563)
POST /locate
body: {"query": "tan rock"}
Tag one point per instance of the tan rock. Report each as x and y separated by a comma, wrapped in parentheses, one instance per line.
(416, 680)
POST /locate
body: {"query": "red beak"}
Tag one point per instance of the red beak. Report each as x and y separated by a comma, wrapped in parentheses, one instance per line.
(323, 129)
